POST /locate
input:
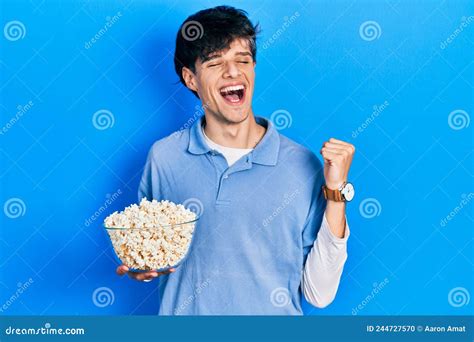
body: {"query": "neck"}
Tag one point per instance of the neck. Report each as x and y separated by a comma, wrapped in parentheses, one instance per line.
(244, 134)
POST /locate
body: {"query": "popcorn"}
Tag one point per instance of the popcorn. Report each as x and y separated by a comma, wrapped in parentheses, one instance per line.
(153, 235)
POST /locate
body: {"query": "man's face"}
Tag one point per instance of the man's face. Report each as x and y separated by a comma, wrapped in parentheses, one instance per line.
(224, 82)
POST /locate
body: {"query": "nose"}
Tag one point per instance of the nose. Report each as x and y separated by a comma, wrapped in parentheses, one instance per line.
(231, 70)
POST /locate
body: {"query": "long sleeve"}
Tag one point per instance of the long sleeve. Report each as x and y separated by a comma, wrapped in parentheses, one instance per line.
(324, 264)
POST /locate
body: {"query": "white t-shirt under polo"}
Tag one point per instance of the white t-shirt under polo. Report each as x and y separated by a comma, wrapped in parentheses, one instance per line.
(231, 154)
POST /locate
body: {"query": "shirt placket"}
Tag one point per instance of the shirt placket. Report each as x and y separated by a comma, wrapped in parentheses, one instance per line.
(224, 173)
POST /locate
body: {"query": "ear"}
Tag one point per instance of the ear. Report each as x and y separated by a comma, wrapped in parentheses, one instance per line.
(189, 79)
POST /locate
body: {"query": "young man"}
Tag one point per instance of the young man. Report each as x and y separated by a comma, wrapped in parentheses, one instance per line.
(273, 224)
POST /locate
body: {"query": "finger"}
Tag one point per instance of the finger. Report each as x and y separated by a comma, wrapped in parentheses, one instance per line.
(137, 276)
(171, 270)
(337, 151)
(331, 156)
(140, 276)
(122, 270)
(335, 145)
(350, 147)
(346, 151)
(337, 141)
(150, 275)
(346, 148)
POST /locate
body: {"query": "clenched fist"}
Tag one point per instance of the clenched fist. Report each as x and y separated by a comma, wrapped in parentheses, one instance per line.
(337, 156)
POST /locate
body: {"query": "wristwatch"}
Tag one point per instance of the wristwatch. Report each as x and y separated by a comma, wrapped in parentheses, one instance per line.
(345, 193)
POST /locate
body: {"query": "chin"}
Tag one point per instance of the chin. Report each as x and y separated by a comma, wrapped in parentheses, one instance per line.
(236, 115)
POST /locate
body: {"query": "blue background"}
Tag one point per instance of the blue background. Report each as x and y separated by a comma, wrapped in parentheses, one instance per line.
(318, 68)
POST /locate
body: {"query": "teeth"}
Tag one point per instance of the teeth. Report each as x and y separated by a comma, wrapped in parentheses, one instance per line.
(237, 87)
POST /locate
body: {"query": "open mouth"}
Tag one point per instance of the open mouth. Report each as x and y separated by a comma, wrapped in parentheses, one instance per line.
(233, 95)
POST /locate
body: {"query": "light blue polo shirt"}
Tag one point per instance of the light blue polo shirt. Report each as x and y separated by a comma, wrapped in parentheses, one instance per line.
(259, 220)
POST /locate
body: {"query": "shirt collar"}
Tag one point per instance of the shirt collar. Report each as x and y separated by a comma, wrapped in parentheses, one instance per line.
(265, 153)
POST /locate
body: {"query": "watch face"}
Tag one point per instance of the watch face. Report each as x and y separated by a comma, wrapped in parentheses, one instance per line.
(348, 192)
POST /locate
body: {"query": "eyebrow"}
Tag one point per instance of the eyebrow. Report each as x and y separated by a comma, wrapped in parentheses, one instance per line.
(217, 55)
(243, 53)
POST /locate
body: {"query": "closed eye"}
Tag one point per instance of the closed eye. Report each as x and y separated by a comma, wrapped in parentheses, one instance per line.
(213, 65)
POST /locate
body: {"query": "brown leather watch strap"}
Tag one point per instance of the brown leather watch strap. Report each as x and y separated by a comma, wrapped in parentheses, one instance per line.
(333, 195)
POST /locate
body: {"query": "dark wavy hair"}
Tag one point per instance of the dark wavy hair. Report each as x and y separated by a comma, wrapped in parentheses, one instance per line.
(209, 31)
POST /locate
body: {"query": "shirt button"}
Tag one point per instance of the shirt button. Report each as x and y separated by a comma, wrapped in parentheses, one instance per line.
(226, 176)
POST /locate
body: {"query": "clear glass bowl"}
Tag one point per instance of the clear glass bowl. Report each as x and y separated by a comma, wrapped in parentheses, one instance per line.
(142, 238)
